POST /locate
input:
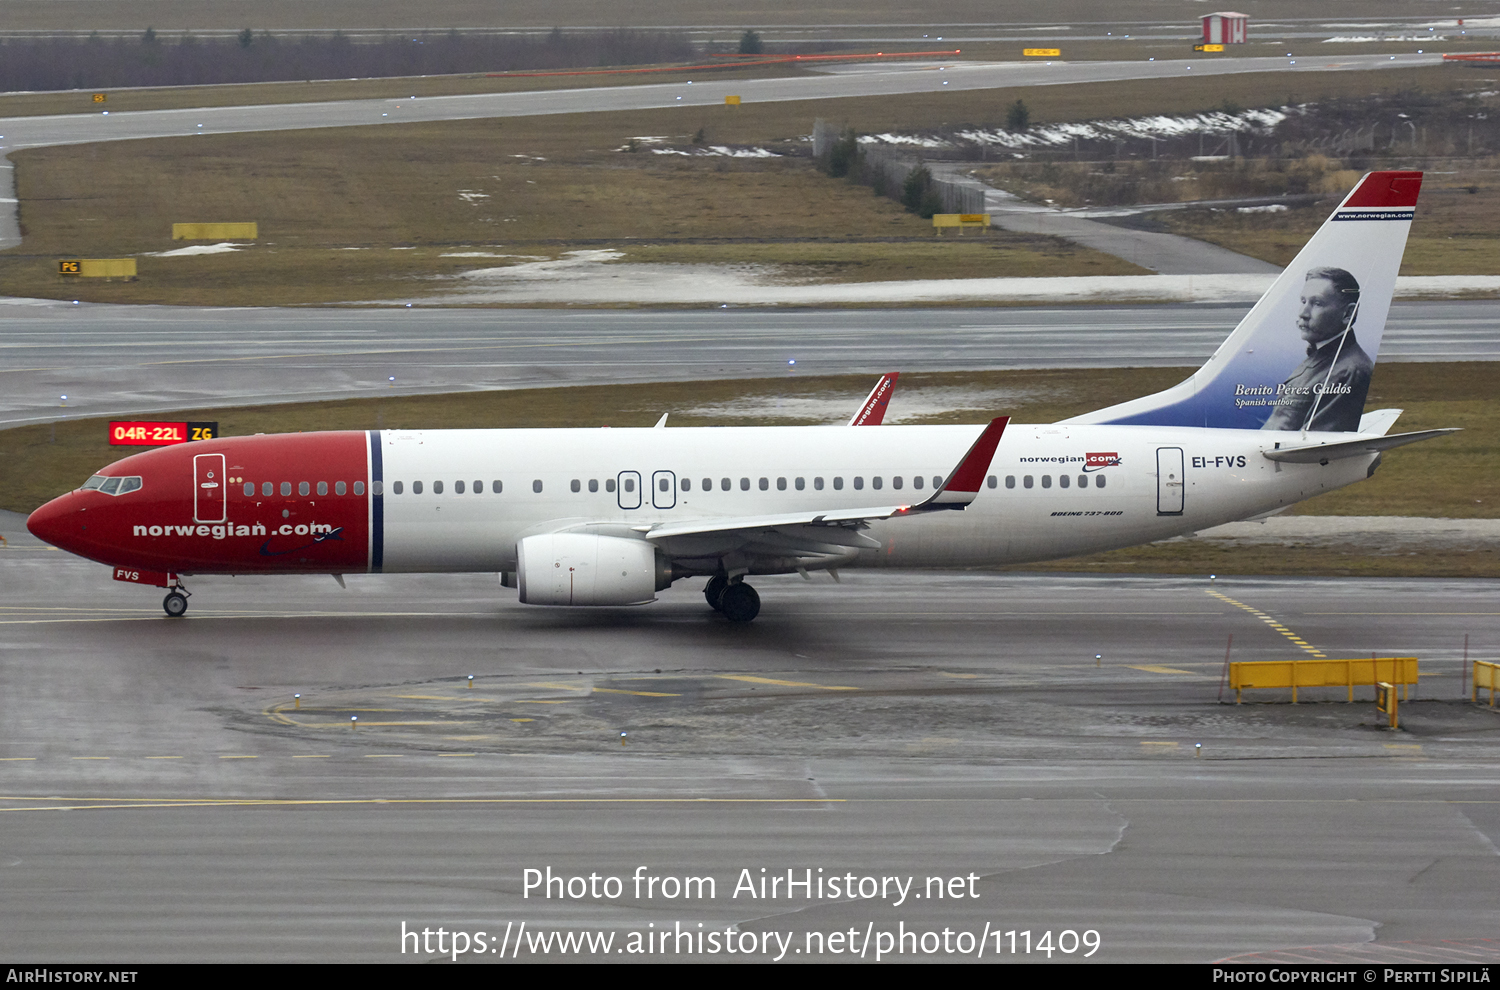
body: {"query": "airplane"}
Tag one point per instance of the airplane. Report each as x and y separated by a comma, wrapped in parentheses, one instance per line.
(609, 517)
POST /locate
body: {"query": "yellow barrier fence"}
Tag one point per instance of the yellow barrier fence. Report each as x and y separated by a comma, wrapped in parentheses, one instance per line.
(97, 267)
(215, 231)
(1296, 674)
(1486, 675)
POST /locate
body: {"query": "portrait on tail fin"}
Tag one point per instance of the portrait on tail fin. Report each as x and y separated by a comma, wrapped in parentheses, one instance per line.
(1327, 390)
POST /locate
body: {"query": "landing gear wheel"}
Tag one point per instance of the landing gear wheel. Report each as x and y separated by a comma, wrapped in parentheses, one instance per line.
(175, 604)
(739, 603)
(713, 592)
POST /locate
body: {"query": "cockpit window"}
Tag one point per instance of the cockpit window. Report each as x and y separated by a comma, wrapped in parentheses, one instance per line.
(113, 486)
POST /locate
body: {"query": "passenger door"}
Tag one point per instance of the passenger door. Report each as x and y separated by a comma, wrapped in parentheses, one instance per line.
(628, 489)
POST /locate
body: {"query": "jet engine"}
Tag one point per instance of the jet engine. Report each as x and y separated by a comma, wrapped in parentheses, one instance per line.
(584, 569)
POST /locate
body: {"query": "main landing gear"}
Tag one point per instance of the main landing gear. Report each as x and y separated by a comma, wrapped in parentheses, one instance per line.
(738, 601)
(175, 603)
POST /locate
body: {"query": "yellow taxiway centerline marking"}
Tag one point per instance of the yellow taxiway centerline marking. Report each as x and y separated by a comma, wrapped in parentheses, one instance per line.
(770, 680)
(643, 694)
(1154, 669)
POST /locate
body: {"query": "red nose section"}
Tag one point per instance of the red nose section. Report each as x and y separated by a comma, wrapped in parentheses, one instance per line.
(58, 522)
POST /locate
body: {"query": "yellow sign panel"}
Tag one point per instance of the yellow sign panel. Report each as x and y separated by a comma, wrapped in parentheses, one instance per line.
(1042, 52)
(1208, 48)
(731, 101)
(100, 97)
(98, 267)
(214, 231)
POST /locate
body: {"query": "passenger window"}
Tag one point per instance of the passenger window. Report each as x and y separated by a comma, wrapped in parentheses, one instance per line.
(395, 488)
(359, 488)
(576, 485)
(896, 482)
(801, 483)
(765, 484)
(536, 486)
(687, 484)
(478, 488)
(129, 485)
(593, 484)
(322, 488)
(629, 485)
(662, 484)
(437, 488)
(458, 488)
(609, 484)
(859, 482)
(267, 489)
(992, 481)
(916, 481)
(724, 484)
(1026, 481)
(286, 489)
(937, 481)
(1083, 481)
(744, 484)
(339, 488)
(1098, 481)
(708, 484)
(875, 482)
(1010, 481)
(818, 484)
(1046, 481)
(496, 487)
(416, 488)
(303, 488)
(249, 489)
(1062, 481)
(838, 484)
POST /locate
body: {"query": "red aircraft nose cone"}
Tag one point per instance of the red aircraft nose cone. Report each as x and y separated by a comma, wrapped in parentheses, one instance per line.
(53, 522)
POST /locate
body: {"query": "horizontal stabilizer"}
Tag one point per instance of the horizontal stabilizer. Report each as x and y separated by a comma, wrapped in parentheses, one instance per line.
(1319, 453)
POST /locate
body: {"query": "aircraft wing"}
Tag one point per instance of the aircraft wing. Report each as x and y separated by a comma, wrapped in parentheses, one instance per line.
(836, 527)
(1324, 452)
(872, 413)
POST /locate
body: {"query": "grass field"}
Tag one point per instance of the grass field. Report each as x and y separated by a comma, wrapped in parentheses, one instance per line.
(367, 213)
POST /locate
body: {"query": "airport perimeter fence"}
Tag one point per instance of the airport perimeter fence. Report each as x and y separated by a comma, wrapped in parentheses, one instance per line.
(887, 171)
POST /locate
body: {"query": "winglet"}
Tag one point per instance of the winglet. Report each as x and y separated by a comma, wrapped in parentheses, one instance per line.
(872, 413)
(964, 483)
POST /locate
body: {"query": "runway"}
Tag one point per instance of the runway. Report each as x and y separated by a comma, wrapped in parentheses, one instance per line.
(112, 360)
(875, 80)
(932, 725)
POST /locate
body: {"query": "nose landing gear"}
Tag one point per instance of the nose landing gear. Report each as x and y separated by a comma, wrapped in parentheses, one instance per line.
(175, 604)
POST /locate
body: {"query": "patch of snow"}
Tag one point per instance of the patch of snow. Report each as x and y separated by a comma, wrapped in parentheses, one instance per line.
(1269, 208)
(596, 277)
(223, 247)
(471, 197)
(491, 254)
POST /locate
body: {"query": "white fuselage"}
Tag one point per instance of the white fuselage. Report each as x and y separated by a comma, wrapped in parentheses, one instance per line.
(1042, 499)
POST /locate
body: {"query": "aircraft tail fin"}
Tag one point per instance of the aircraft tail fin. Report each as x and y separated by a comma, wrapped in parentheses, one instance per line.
(1301, 358)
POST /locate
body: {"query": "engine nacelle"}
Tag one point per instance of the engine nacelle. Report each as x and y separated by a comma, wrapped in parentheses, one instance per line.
(583, 569)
